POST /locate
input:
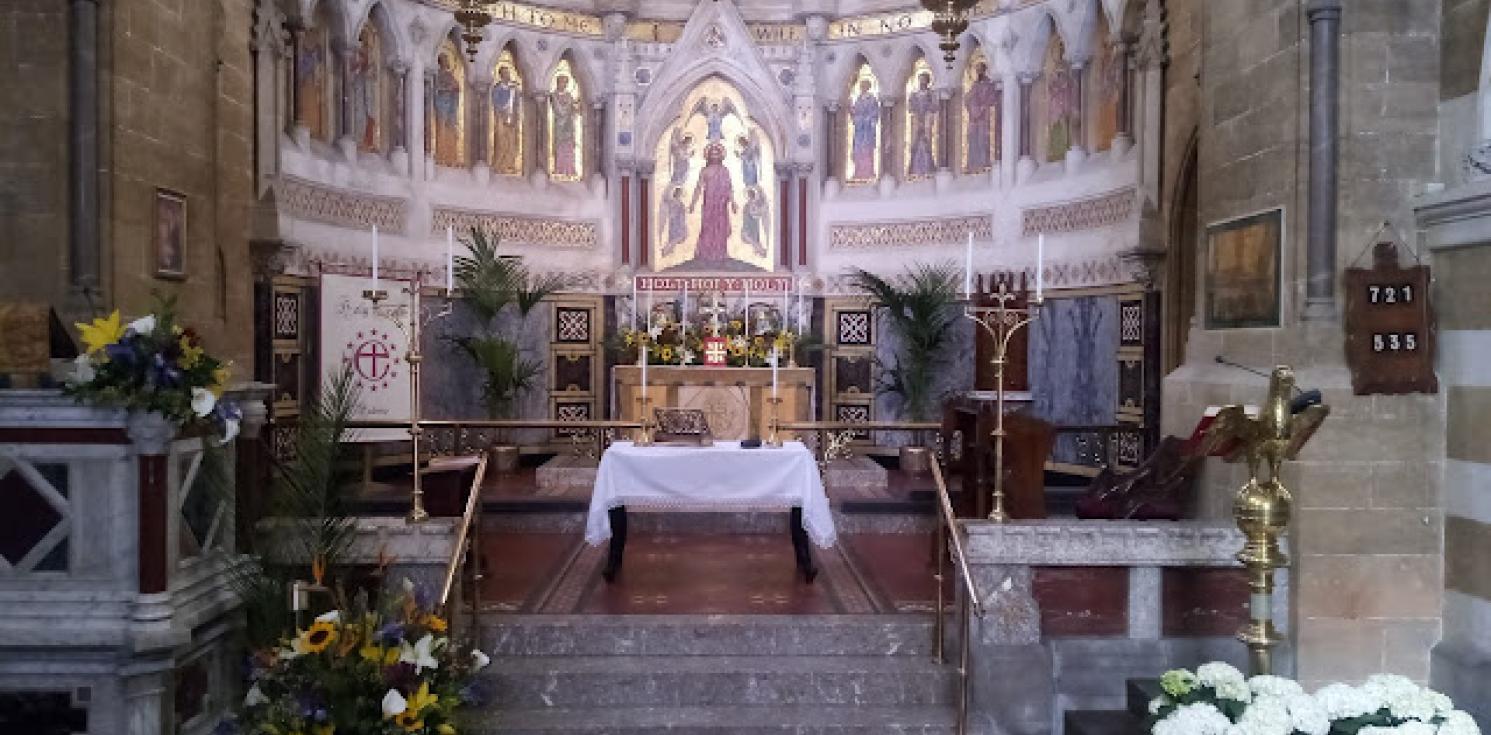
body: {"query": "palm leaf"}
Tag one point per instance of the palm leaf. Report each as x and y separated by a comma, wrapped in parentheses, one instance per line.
(917, 305)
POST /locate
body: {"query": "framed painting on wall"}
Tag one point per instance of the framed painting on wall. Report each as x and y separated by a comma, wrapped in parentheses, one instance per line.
(170, 234)
(1242, 271)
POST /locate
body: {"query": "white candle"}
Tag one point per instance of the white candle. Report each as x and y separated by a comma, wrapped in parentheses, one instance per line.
(968, 269)
(786, 306)
(1040, 266)
(750, 328)
(450, 258)
(775, 358)
(643, 345)
(801, 317)
(633, 323)
(683, 312)
(375, 257)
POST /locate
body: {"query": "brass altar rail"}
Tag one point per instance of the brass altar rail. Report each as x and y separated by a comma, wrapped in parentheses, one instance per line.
(833, 437)
(466, 553)
(599, 431)
(950, 531)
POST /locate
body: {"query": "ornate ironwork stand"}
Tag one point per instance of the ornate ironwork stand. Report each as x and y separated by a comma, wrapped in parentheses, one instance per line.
(1001, 321)
(410, 325)
(643, 437)
(773, 436)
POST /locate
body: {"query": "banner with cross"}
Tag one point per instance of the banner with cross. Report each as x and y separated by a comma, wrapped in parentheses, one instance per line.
(373, 346)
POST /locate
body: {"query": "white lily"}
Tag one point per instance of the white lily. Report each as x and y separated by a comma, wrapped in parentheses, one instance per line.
(144, 325)
(202, 401)
(421, 655)
(230, 431)
(481, 660)
(255, 697)
(394, 703)
(331, 616)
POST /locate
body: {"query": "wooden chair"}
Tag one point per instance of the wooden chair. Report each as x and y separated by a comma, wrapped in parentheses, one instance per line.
(1160, 488)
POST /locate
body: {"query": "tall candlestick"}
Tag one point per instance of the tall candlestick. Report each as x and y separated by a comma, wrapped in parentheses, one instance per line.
(776, 358)
(968, 268)
(450, 258)
(1040, 266)
(375, 258)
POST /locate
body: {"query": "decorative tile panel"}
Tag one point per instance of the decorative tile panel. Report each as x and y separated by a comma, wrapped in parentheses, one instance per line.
(319, 203)
(1131, 385)
(1130, 449)
(572, 325)
(910, 233)
(1103, 210)
(286, 315)
(35, 527)
(854, 328)
(572, 411)
(852, 374)
(513, 230)
(1131, 324)
(572, 373)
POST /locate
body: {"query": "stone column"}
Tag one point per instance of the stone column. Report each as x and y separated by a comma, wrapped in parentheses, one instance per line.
(343, 75)
(784, 214)
(1123, 137)
(945, 120)
(84, 257)
(480, 137)
(540, 106)
(271, 111)
(1325, 72)
(297, 103)
(804, 171)
(596, 159)
(891, 167)
(831, 140)
(644, 213)
(1009, 127)
(624, 172)
(429, 121)
(1149, 59)
(398, 116)
(1026, 164)
(1077, 118)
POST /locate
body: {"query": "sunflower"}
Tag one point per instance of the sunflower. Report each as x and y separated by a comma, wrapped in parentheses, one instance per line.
(379, 655)
(411, 719)
(436, 623)
(322, 634)
(666, 354)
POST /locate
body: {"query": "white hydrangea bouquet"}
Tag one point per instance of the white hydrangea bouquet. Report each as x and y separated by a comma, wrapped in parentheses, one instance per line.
(1218, 700)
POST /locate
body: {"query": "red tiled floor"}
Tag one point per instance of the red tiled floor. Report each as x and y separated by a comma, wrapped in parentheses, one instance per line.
(667, 573)
(897, 567)
(518, 567)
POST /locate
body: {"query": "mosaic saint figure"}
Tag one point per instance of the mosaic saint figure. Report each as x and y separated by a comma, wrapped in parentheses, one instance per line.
(749, 150)
(564, 110)
(718, 193)
(1107, 91)
(507, 100)
(981, 104)
(675, 219)
(1059, 102)
(921, 109)
(714, 112)
(754, 221)
(310, 82)
(363, 90)
(680, 157)
(448, 110)
(864, 114)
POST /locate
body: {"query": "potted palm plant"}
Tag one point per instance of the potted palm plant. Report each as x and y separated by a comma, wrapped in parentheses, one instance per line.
(918, 307)
(492, 284)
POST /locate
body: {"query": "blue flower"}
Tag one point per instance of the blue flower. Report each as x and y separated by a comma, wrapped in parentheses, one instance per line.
(391, 634)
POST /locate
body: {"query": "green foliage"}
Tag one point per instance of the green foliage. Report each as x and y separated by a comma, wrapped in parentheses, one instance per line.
(918, 306)
(491, 283)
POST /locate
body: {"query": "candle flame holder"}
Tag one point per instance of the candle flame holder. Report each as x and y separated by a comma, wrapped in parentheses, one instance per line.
(773, 424)
(1001, 321)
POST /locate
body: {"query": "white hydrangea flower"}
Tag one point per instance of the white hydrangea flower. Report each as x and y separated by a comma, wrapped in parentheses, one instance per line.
(1158, 702)
(1236, 691)
(1458, 723)
(1407, 728)
(1194, 719)
(1307, 714)
(1343, 701)
(1217, 672)
(1442, 704)
(1266, 716)
(1267, 685)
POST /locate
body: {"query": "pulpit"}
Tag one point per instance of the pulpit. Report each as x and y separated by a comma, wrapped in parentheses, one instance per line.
(1027, 446)
(733, 399)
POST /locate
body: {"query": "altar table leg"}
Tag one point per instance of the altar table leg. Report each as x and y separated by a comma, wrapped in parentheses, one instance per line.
(800, 547)
(618, 542)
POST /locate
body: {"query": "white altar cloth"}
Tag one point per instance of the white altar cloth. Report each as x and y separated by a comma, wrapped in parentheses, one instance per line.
(720, 477)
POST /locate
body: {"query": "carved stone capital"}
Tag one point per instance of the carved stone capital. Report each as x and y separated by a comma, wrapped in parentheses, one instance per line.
(1152, 50)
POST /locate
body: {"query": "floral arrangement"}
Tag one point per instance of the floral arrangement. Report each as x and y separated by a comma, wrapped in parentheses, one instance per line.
(154, 365)
(671, 344)
(1218, 700)
(363, 670)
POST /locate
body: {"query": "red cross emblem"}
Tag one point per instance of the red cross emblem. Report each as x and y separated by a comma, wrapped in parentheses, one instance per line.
(373, 358)
(714, 351)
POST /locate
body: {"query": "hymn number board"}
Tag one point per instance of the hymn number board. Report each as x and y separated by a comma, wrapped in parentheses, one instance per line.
(1389, 326)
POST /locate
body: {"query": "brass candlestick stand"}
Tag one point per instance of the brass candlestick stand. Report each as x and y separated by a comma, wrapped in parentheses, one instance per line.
(1001, 321)
(643, 437)
(773, 423)
(411, 324)
(1262, 506)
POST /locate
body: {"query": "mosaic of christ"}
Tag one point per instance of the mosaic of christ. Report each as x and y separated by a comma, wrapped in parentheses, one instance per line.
(714, 187)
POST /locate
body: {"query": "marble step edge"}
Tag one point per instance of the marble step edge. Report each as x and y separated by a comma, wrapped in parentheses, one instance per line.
(693, 665)
(726, 720)
(908, 635)
(716, 523)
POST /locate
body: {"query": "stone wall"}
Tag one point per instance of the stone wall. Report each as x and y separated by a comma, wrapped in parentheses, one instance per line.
(181, 102)
(1463, 30)
(1368, 521)
(33, 151)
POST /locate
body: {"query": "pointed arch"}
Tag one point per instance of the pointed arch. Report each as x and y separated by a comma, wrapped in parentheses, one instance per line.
(505, 110)
(923, 124)
(567, 121)
(863, 136)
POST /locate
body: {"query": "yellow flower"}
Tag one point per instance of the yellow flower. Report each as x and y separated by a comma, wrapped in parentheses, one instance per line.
(410, 718)
(436, 623)
(321, 635)
(667, 353)
(190, 353)
(445, 729)
(101, 333)
(737, 324)
(219, 380)
(380, 656)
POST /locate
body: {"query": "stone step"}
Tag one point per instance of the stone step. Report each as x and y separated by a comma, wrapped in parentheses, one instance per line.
(561, 518)
(797, 720)
(534, 682)
(900, 636)
(1101, 722)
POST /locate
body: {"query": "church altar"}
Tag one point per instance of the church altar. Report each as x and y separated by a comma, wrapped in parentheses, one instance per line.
(734, 399)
